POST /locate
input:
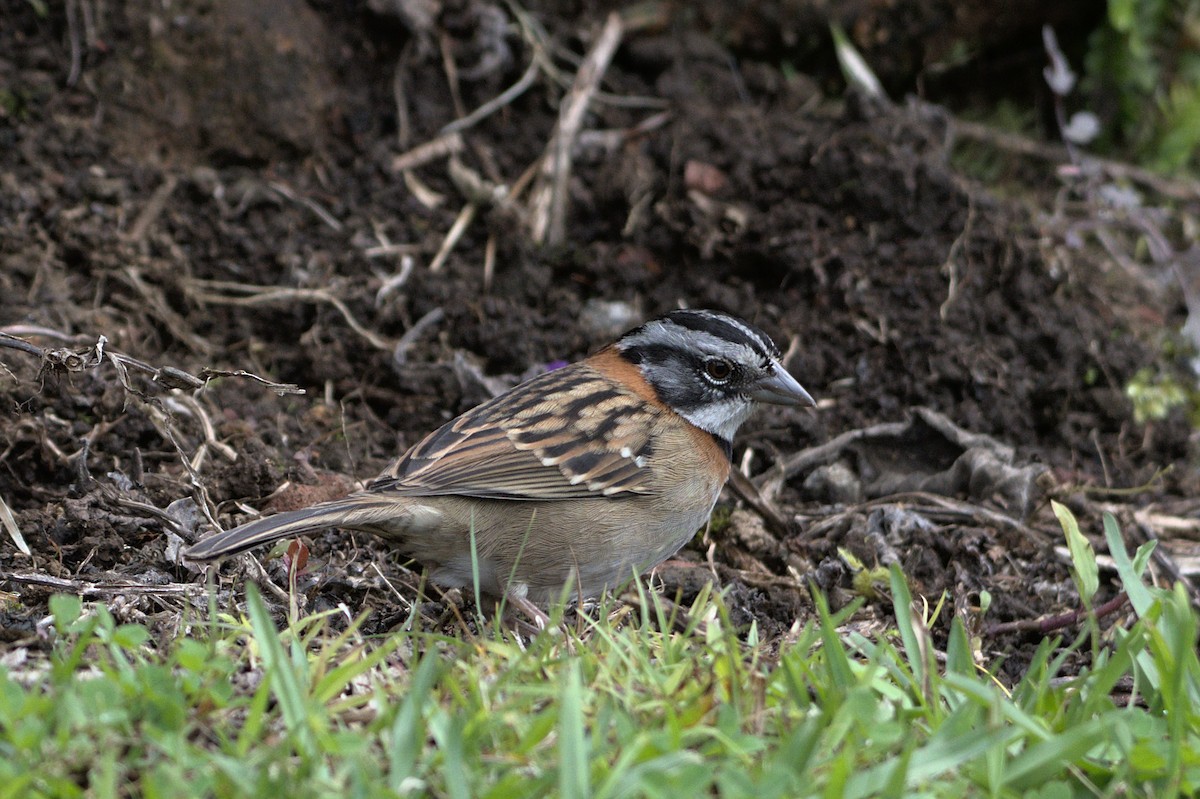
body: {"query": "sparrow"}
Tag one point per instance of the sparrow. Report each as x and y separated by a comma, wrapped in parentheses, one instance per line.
(573, 481)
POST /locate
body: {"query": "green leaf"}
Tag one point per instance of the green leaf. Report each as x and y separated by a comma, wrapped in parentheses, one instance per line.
(1083, 557)
(1120, 14)
(1141, 558)
(1139, 595)
(65, 609)
(130, 636)
(959, 658)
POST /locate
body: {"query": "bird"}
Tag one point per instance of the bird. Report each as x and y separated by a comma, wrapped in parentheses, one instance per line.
(573, 481)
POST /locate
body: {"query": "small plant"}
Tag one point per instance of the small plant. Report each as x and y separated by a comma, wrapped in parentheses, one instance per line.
(1144, 65)
(1156, 395)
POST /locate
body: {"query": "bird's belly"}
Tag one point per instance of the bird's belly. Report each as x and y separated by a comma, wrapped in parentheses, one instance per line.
(538, 548)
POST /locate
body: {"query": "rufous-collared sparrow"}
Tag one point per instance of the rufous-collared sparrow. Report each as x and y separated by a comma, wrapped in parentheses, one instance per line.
(580, 476)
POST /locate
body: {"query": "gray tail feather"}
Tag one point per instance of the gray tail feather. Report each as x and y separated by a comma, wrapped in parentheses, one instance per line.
(340, 513)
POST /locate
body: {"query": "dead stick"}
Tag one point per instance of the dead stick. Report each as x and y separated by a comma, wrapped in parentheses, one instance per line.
(749, 493)
(166, 376)
(495, 104)
(1054, 623)
(153, 210)
(550, 202)
(1177, 188)
(818, 455)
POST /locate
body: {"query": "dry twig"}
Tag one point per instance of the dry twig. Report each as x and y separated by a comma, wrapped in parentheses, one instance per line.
(154, 208)
(749, 493)
(1177, 188)
(400, 354)
(444, 145)
(549, 202)
(88, 590)
(1055, 623)
(495, 104)
(221, 292)
(285, 191)
(166, 376)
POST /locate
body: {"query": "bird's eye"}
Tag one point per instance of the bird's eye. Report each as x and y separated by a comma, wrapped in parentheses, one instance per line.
(718, 369)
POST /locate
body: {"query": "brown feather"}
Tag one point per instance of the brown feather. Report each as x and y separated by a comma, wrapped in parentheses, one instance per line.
(568, 434)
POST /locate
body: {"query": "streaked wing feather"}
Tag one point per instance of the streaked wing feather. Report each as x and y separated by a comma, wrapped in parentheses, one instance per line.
(568, 434)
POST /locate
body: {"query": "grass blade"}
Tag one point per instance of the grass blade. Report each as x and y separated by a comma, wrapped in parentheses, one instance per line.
(573, 774)
(284, 682)
(408, 729)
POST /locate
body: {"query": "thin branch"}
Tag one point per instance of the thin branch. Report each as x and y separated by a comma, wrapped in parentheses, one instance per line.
(495, 104)
(1054, 623)
(461, 223)
(444, 145)
(749, 493)
(400, 354)
(1176, 188)
(549, 202)
(815, 456)
(153, 210)
(285, 191)
(208, 291)
(90, 589)
(166, 376)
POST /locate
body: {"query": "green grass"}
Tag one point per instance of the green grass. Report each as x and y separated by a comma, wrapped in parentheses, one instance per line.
(613, 708)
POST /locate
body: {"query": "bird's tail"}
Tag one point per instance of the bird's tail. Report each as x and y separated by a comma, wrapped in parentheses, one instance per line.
(356, 511)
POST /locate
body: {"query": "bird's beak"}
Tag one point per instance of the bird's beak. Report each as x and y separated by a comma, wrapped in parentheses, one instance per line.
(780, 388)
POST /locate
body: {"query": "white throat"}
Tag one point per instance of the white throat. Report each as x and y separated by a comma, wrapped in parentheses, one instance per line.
(722, 418)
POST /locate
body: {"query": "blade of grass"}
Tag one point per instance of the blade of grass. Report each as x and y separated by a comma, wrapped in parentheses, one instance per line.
(1139, 594)
(836, 658)
(408, 729)
(447, 732)
(915, 648)
(959, 658)
(251, 732)
(1053, 756)
(283, 680)
(1131, 580)
(960, 739)
(573, 775)
(475, 570)
(335, 682)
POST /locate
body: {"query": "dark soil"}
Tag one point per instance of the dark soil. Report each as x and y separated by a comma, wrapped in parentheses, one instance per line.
(218, 189)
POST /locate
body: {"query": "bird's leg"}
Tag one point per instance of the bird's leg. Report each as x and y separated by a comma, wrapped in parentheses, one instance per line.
(535, 614)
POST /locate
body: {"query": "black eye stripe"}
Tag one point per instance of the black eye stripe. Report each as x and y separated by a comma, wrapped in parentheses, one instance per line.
(665, 353)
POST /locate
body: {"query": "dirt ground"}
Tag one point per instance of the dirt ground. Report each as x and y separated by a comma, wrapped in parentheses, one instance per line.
(189, 191)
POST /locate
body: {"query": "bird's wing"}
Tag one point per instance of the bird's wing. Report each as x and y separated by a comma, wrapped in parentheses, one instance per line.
(571, 433)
